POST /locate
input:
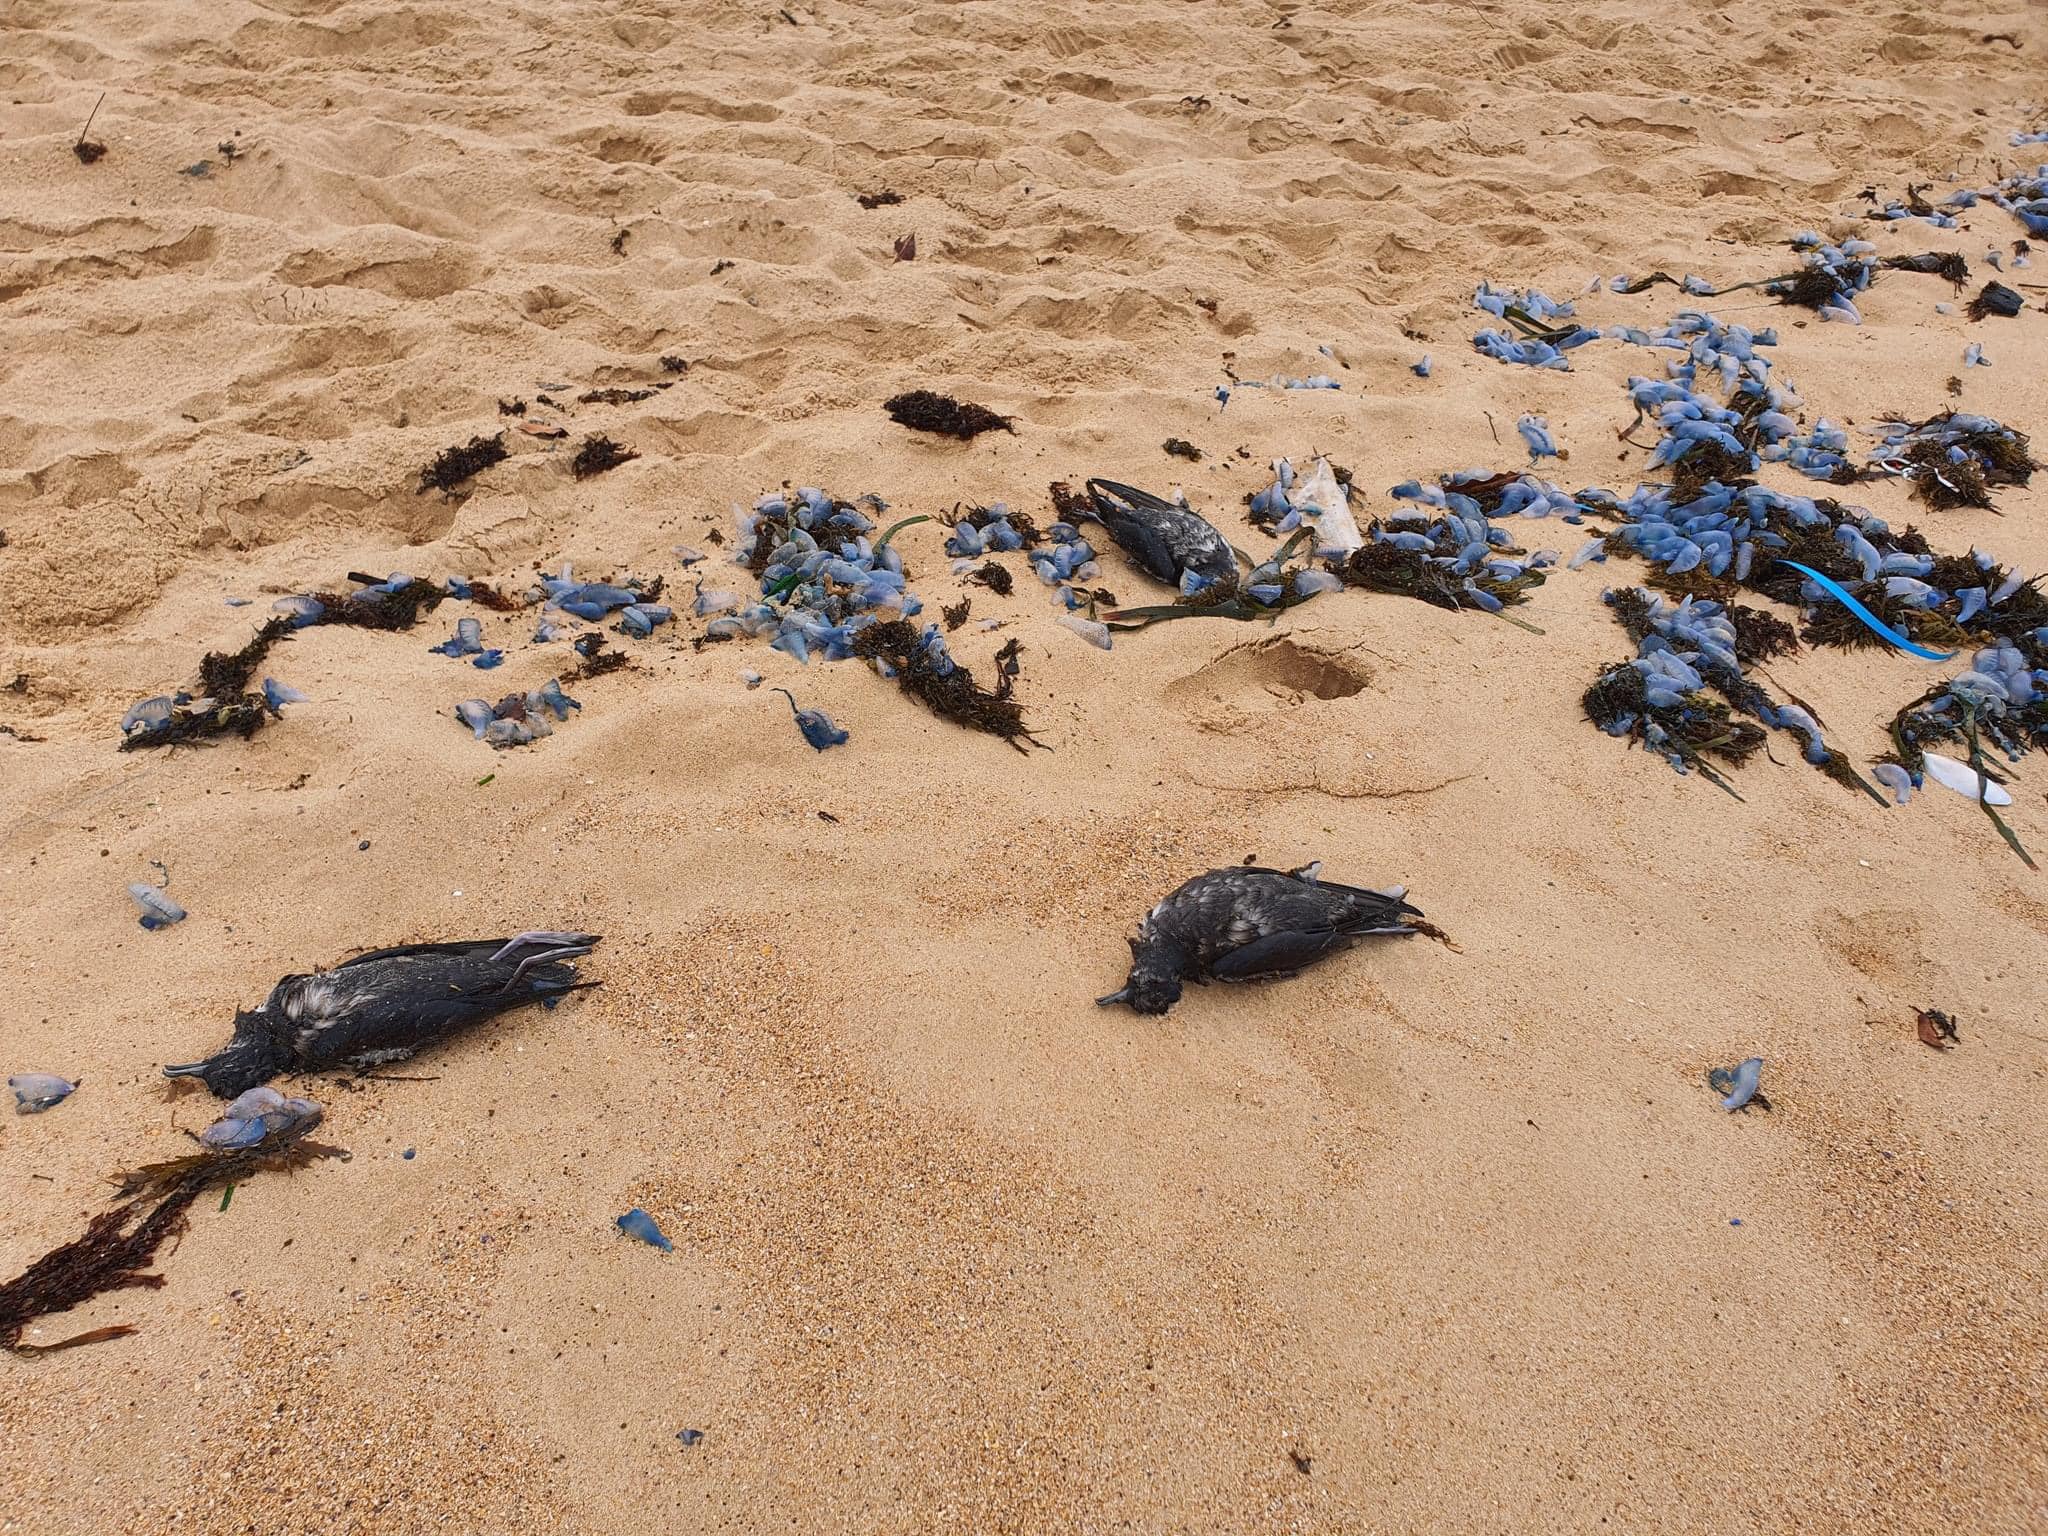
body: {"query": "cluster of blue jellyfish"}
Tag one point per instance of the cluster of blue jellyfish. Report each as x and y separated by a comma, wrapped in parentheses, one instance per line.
(821, 576)
(1476, 490)
(984, 531)
(1542, 343)
(518, 719)
(522, 718)
(1833, 276)
(2023, 195)
(1686, 697)
(1955, 458)
(1060, 557)
(1819, 453)
(2002, 697)
(1898, 590)
(592, 601)
(1061, 562)
(822, 580)
(1724, 530)
(1460, 555)
(259, 1115)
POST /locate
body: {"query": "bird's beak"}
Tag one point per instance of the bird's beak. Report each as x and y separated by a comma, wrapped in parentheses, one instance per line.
(189, 1069)
(1122, 996)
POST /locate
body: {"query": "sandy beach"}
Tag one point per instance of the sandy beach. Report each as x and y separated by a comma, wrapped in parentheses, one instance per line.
(1431, 1238)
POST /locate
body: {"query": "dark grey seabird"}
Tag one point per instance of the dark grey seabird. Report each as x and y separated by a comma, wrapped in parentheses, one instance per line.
(386, 1005)
(1246, 922)
(1164, 538)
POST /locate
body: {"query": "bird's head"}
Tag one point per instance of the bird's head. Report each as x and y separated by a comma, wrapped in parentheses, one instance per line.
(246, 1061)
(1154, 983)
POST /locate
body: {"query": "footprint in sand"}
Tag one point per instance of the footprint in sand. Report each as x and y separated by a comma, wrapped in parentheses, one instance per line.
(1263, 676)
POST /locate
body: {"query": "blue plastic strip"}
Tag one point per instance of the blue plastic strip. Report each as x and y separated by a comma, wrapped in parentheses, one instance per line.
(1841, 595)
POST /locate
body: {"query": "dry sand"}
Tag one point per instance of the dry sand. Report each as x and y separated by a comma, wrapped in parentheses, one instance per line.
(956, 1250)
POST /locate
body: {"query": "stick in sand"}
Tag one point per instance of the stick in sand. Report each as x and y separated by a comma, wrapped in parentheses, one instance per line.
(86, 149)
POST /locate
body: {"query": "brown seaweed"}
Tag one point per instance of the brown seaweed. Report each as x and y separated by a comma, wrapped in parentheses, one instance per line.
(614, 396)
(995, 577)
(379, 610)
(1945, 264)
(882, 199)
(453, 466)
(597, 454)
(597, 660)
(226, 674)
(955, 614)
(1384, 567)
(923, 411)
(484, 595)
(242, 717)
(1808, 288)
(1991, 458)
(114, 1253)
(1705, 463)
(1943, 484)
(1181, 448)
(952, 695)
(1699, 727)
(226, 707)
(1073, 506)
(1832, 624)
(670, 363)
(1699, 724)
(118, 1245)
(1760, 635)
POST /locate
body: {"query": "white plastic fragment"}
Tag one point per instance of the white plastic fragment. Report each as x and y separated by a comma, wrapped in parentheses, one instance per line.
(1963, 779)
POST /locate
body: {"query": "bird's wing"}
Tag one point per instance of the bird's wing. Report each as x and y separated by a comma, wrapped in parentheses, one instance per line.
(423, 951)
(1265, 902)
(388, 1012)
(1292, 894)
(1372, 911)
(1131, 494)
(1144, 543)
(1202, 538)
(1276, 954)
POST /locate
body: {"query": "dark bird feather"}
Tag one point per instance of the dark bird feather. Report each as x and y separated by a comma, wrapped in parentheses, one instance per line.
(387, 1005)
(1164, 538)
(1246, 922)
